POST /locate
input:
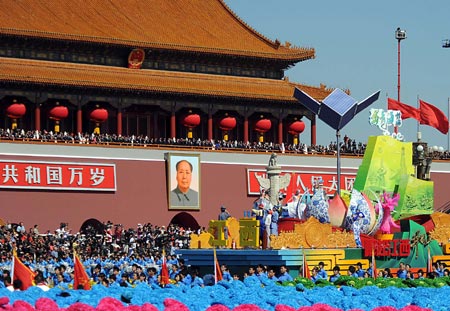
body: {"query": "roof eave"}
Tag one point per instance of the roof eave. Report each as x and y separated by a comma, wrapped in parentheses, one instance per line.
(284, 54)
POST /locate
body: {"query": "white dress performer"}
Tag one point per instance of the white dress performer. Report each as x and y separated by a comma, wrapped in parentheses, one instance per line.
(267, 223)
(296, 207)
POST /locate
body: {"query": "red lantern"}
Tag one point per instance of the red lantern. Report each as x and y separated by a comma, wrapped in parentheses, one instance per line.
(296, 127)
(99, 115)
(58, 113)
(263, 125)
(16, 111)
(227, 123)
(191, 120)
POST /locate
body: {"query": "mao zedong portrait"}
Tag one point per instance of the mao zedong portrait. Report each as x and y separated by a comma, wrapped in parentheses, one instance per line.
(183, 195)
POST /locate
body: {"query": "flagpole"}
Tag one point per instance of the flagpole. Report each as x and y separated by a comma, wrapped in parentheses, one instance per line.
(214, 264)
(419, 135)
(12, 264)
(448, 116)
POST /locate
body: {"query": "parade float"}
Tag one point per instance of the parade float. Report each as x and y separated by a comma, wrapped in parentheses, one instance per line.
(386, 218)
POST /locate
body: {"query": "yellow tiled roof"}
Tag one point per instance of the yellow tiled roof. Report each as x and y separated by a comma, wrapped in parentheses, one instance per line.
(204, 26)
(14, 70)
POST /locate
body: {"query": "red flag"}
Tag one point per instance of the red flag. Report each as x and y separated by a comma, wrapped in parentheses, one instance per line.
(217, 271)
(291, 188)
(22, 272)
(164, 271)
(406, 110)
(433, 116)
(374, 264)
(306, 273)
(80, 278)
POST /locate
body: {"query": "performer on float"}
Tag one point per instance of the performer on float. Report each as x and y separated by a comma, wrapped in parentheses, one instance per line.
(261, 206)
(357, 218)
(267, 223)
(290, 209)
(296, 206)
(388, 204)
(224, 215)
(274, 222)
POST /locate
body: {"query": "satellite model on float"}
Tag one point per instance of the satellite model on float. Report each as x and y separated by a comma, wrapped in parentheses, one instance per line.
(385, 177)
(336, 110)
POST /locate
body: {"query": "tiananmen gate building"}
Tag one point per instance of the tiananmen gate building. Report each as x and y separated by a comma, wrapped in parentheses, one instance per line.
(161, 69)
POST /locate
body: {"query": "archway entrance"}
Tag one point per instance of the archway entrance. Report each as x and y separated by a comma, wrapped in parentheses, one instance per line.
(92, 226)
(185, 220)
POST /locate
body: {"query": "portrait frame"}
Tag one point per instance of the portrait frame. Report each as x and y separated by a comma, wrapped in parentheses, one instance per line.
(177, 196)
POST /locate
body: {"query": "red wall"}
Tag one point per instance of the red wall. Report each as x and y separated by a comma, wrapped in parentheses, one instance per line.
(141, 196)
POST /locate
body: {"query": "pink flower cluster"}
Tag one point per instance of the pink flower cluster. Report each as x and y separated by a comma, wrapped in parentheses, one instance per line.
(111, 304)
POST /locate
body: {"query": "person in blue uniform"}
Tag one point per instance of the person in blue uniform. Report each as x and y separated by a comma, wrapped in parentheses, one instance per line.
(226, 275)
(224, 215)
(284, 274)
(401, 272)
(322, 273)
(336, 274)
(359, 270)
(352, 272)
(315, 274)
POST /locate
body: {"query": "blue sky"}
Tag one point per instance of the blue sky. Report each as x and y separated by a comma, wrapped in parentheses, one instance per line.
(356, 49)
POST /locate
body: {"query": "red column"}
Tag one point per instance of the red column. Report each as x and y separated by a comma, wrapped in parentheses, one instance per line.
(37, 118)
(173, 131)
(245, 129)
(79, 120)
(119, 122)
(313, 130)
(210, 127)
(280, 131)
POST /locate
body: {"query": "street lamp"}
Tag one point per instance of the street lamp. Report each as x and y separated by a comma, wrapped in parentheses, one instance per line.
(423, 157)
(446, 43)
(399, 35)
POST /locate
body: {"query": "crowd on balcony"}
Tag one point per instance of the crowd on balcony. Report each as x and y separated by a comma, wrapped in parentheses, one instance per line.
(348, 146)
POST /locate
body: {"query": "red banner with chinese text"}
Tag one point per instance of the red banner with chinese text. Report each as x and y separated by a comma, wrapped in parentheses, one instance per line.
(57, 175)
(302, 181)
(388, 248)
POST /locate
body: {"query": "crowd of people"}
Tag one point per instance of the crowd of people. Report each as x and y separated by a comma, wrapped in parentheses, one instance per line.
(103, 251)
(111, 256)
(348, 146)
(114, 256)
(404, 271)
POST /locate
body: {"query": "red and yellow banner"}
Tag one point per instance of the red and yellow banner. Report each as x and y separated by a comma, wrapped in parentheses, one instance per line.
(57, 175)
(81, 278)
